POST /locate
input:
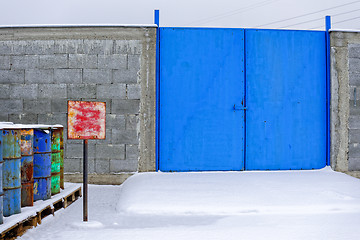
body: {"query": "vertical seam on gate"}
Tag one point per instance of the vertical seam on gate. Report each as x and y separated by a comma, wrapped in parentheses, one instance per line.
(328, 91)
(245, 102)
(157, 105)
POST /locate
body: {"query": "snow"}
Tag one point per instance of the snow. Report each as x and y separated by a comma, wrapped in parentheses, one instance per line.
(10, 125)
(317, 204)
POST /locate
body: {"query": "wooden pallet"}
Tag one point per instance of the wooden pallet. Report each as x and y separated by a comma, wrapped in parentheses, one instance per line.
(21, 227)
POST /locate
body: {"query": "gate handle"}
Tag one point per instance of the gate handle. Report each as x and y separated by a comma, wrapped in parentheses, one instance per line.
(239, 109)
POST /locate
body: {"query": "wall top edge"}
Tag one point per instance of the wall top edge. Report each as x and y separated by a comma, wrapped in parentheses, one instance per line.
(79, 26)
(345, 30)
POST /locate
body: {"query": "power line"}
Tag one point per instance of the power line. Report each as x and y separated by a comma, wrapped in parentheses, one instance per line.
(317, 19)
(347, 20)
(342, 5)
(233, 12)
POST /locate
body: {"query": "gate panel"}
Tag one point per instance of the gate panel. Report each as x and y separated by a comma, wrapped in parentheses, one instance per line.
(286, 99)
(201, 79)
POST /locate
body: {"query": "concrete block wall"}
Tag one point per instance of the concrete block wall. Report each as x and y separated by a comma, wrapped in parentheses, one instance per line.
(42, 68)
(345, 102)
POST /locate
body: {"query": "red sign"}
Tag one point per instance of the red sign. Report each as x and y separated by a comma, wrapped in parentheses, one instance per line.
(86, 120)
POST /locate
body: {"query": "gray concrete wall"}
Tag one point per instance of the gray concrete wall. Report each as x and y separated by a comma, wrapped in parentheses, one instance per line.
(42, 68)
(345, 102)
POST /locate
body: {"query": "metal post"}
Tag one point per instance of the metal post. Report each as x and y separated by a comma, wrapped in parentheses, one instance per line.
(85, 182)
(157, 22)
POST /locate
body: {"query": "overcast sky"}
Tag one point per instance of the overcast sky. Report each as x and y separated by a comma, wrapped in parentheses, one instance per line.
(293, 14)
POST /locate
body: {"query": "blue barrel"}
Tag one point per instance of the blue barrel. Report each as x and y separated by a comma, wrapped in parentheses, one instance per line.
(1, 185)
(42, 164)
(11, 172)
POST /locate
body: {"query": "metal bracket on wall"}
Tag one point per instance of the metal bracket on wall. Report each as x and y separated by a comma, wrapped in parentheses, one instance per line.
(355, 97)
(238, 108)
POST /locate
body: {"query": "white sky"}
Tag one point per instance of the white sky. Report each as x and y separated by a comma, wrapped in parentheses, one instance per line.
(219, 13)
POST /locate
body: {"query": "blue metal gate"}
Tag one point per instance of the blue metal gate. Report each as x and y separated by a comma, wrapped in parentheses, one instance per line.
(201, 80)
(286, 99)
(208, 77)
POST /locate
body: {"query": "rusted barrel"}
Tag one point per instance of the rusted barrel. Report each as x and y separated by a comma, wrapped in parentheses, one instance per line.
(42, 164)
(27, 167)
(1, 185)
(62, 158)
(55, 160)
(11, 171)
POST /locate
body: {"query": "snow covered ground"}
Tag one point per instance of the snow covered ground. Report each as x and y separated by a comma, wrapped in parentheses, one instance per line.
(319, 204)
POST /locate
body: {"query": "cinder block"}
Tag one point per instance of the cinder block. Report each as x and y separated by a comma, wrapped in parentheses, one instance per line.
(115, 61)
(133, 91)
(67, 75)
(4, 62)
(354, 50)
(33, 47)
(354, 110)
(354, 135)
(354, 122)
(69, 46)
(108, 137)
(354, 65)
(37, 106)
(354, 150)
(77, 91)
(354, 164)
(54, 61)
(125, 106)
(118, 166)
(4, 118)
(12, 76)
(128, 47)
(121, 136)
(11, 106)
(110, 151)
(132, 122)
(59, 105)
(74, 150)
(354, 79)
(102, 166)
(132, 152)
(39, 76)
(4, 91)
(53, 118)
(112, 91)
(72, 165)
(91, 165)
(24, 118)
(125, 76)
(115, 121)
(96, 76)
(134, 62)
(82, 61)
(52, 91)
(6, 47)
(24, 91)
(25, 62)
(98, 46)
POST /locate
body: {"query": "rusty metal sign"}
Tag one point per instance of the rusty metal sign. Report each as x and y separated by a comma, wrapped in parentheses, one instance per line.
(86, 120)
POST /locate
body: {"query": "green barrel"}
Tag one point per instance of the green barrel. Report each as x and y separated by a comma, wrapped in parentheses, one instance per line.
(55, 160)
(62, 158)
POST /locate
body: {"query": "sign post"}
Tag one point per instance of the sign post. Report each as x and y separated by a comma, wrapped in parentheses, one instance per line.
(86, 120)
